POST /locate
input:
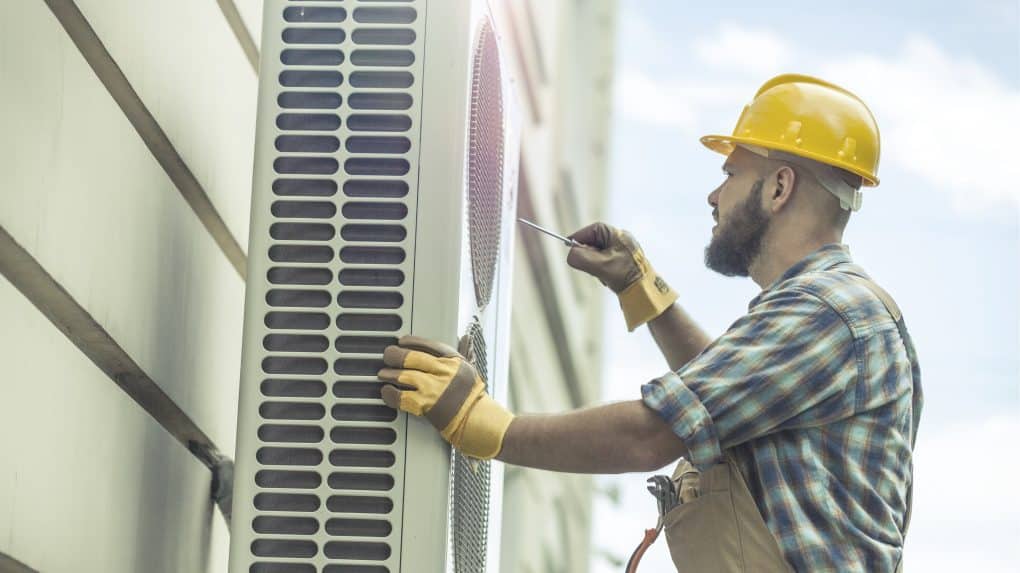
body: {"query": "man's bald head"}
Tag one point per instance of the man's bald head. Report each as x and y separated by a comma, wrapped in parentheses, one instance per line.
(811, 194)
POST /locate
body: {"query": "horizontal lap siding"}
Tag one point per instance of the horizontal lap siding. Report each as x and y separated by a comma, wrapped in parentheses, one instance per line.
(84, 196)
(189, 70)
(88, 481)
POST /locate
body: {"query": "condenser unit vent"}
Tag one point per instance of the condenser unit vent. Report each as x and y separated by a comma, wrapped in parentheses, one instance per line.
(485, 162)
(469, 483)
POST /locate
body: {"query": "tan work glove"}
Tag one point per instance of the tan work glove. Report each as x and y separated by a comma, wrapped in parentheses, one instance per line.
(435, 381)
(616, 259)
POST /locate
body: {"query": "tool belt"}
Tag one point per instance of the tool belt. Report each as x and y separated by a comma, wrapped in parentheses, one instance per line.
(711, 522)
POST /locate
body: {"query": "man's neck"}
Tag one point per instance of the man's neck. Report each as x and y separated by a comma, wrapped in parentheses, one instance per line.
(778, 255)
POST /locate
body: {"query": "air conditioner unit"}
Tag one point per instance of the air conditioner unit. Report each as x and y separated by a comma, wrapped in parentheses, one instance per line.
(383, 199)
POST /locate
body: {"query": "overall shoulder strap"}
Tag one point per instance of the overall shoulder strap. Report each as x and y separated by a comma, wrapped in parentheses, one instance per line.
(894, 310)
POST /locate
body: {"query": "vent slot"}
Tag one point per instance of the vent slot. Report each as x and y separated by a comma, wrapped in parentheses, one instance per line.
(283, 548)
(292, 525)
(272, 456)
(308, 121)
(293, 434)
(310, 79)
(305, 187)
(308, 57)
(287, 568)
(304, 209)
(309, 100)
(302, 231)
(370, 299)
(293, 388)
(286, 501)
(314, 14)
(358, 527)
(360, 482)
(314, 35)
(362, 458)
(292, 411)
(356, 435)
(291, 365)
(300, 254)
(385, 15)
(359, 504)
(297, 320)
(357, 389)
(376, 122)
(375, 188)
(308, 143)
(384, 36)
(372, 277)
(382, 58)
(378, 100)
(373, 234)
(376, 166)
(370, 322)
(298, 276)
(364, 344)
(283, 479)
(386, 211)
(355, 569)
(357, 550)
(381, 144)
(306, 165)
(279, 297)
(372, 255)
(381, 79)
(357, 367)
(363, 413)
(295, 342)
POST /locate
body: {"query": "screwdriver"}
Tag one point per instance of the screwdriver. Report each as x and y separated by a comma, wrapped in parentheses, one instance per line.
(564, 240)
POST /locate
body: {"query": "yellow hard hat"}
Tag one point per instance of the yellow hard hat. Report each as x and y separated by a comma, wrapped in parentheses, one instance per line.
(811, 118)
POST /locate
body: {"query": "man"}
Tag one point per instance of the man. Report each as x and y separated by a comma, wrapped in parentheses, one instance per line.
(795, 428)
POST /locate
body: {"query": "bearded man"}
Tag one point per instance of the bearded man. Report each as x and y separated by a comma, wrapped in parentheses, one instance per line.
(793, 432)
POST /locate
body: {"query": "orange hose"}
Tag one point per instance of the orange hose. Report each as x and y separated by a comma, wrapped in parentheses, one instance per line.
(650, 536)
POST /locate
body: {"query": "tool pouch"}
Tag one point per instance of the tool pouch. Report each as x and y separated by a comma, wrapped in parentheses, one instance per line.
(717, 526)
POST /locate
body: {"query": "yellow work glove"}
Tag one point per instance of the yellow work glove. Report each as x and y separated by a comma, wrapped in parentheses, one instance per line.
(433, 380)
(615, 258)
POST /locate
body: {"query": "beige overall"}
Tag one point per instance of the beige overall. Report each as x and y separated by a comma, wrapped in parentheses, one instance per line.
(717, 528)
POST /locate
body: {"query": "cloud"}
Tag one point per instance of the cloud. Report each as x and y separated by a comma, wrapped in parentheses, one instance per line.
(758, 52)
(966, 506)
(947, 120)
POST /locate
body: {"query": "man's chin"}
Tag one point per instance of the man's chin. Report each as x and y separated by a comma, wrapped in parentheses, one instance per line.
(722, 261)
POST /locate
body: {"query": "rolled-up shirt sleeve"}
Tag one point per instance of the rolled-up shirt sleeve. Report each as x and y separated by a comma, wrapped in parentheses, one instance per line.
(781, 366)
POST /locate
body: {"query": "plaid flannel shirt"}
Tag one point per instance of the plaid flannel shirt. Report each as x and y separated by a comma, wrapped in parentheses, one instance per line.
(819, 397)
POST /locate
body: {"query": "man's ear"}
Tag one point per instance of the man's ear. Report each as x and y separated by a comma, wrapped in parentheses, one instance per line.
(784, 181)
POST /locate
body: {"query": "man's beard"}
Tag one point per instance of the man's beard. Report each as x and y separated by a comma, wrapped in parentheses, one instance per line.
(737, 243)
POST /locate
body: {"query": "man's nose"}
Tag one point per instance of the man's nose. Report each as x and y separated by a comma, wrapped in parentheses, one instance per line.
(713, 197)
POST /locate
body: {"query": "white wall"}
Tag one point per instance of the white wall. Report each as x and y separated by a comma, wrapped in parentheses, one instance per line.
(90, 480)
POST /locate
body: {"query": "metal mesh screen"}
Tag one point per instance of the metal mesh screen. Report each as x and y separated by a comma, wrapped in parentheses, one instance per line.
(469, 484)
(485, 162)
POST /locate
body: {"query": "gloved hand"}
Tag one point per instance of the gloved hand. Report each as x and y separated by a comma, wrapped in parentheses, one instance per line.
(615, 258)
(435, 381)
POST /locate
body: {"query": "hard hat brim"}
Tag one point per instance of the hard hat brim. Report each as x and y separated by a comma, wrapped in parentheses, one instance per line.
(725, 144)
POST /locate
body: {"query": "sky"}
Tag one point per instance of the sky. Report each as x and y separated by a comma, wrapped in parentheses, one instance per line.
(941, 233)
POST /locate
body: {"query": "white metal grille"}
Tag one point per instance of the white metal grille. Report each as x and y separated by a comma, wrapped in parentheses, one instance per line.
(330, 251)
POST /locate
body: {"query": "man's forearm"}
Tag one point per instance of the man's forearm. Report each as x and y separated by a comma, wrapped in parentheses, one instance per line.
(614, 438)
(678, 337)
